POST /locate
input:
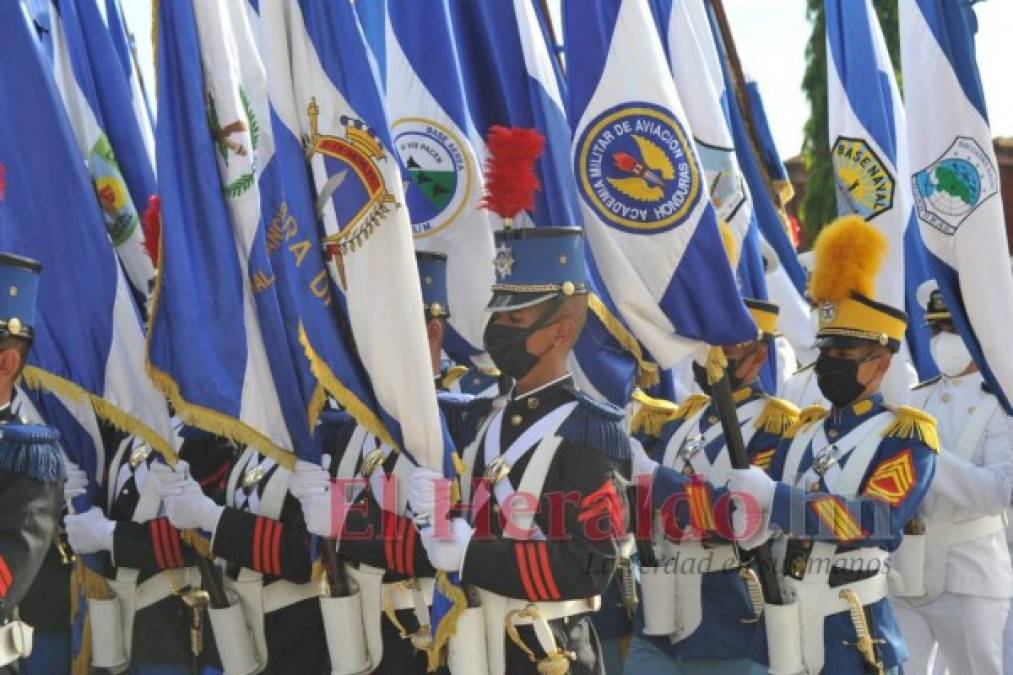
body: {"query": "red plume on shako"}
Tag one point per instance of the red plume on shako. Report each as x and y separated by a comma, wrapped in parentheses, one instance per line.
(510, 178)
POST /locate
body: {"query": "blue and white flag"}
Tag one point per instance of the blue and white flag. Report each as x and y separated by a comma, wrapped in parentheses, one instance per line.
(215, 347)
(312, 309)
(645, 200)
(360, 201)
(511, 78)
(433, 138)
(89, 344)
(955, 179)
(868, 145)
(97, 99)
(123, 41)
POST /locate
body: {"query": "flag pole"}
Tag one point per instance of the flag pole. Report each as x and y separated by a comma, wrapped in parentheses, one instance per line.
(547, 20)
(731, 57)
(721, 390)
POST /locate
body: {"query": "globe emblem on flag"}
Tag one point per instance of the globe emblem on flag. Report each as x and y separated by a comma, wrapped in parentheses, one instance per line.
(952, 187)
(864, 184)
(439, 177)
(637, 169)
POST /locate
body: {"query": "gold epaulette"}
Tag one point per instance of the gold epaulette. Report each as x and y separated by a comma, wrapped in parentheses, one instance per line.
(452, 375)
(911, 422)
(691, 405)
(807, 416)
(777, 416)
(653, 415)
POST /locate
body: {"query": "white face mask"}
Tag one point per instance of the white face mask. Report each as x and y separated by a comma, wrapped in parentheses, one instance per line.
(950, 354)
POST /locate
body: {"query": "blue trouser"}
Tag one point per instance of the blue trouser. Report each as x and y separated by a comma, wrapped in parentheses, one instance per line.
(644, 658)
(50, 654)
(612, 653)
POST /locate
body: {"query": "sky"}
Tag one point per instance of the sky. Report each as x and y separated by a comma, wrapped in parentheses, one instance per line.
(771, 36)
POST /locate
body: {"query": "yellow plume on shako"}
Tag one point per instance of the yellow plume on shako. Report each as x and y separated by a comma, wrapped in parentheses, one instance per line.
(847, 256)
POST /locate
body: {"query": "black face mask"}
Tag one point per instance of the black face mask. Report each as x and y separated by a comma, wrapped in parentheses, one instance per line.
(838, 379)
(507, 347)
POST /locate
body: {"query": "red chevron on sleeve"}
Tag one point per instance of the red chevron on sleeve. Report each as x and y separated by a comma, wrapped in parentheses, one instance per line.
(603, 501)
(6, 578)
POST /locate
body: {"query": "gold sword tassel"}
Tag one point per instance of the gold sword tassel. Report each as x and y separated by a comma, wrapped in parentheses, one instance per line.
(755, 591)
(865, 644)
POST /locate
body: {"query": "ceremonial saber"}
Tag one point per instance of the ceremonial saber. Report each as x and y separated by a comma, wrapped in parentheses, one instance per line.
(721, 390)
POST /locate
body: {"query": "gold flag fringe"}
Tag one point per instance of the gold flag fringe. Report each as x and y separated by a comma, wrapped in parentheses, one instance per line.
(356, 408)
(647, 371)
(448, 626)
(39, 379)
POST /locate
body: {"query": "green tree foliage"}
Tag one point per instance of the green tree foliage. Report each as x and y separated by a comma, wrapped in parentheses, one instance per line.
(819, 206)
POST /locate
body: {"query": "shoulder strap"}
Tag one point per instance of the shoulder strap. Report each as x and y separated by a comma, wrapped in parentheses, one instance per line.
(850, 478)
(678, 439)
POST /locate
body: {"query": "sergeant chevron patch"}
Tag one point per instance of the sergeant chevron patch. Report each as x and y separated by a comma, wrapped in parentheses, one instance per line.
(892, 480)
(834, 515)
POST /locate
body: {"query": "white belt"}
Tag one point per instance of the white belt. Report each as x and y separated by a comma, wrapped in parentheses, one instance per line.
(165, 584)
(15, 641)
(949, 534)
(551, 611)
(399, 596)
(278, 594)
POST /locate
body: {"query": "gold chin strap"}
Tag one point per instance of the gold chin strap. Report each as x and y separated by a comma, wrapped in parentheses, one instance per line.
(556, 661)
(865, 644)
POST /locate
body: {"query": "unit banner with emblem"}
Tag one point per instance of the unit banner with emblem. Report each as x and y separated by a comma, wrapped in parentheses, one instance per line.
(645, 201)
(955, 179)
(443, 176)
(868, 146)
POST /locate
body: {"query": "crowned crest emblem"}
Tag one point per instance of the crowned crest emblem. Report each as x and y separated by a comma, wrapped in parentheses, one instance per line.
(503, 262)
(828, 312)
(355, 187)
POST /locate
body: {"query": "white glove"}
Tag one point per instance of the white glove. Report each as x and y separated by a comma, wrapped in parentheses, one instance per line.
(446, 551)
(168, 481)
(90, 532)
(753, 491)
(424, 485)
(187, 507)
(642, 464)
(323, 517)
(76, 483)
(308, 480)
(754, 482)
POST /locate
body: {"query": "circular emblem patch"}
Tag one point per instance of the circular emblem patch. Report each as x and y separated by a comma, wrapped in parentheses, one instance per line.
(636, 168)
(864, 185)
(439, 176)
(948, 190)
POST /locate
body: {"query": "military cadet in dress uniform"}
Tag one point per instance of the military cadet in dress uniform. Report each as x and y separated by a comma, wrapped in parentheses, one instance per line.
(845, 481)
(148, 564)
(261, 535)
(46, 606)
(538, 573)
(716, 616)
(958, 564)
(31, 469)
(390, 567)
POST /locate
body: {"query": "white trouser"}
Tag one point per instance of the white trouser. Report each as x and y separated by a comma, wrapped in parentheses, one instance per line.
(968, 630)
